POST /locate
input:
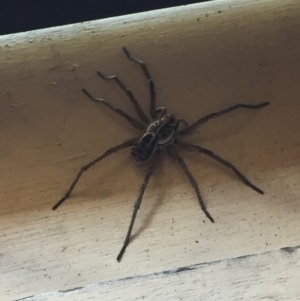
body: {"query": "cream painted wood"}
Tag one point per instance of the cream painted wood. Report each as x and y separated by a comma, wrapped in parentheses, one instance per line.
(272, 275)
(202, 58)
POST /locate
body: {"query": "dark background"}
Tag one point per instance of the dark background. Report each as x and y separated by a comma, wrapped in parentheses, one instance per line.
(24, 15)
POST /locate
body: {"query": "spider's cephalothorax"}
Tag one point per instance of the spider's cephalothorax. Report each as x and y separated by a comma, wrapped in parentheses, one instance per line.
(160, 132)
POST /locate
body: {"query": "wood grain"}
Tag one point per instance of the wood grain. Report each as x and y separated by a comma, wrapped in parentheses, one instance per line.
(272, 275)
(202, 58)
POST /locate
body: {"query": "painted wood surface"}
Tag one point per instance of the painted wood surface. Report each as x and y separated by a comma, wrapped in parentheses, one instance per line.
(202, 58)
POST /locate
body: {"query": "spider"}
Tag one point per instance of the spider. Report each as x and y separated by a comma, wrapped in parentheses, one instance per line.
(159, 134)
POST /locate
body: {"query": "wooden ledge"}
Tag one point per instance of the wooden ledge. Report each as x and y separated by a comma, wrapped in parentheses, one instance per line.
(202, 58)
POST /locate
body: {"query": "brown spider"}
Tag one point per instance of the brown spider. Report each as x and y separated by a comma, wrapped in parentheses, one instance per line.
(159, 133)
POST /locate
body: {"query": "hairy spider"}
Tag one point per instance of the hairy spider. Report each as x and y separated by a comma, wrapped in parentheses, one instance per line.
(160, 133)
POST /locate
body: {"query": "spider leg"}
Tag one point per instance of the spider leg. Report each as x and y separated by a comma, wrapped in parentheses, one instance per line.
(184, 122)
(131, 120)
(172, 152)
(204, 119)
(133, 100)
(92, 163)
(137, 205)
(209, 153)
(151, 83)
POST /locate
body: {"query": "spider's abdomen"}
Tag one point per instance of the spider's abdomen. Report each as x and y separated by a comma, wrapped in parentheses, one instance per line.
(165, 134)
(145, 148)
(159, 134)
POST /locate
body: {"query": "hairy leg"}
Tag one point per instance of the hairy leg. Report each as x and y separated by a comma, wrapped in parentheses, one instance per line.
(172, 152)
(133, 100)
(131, 120)
(150, 80)
(204, 119)
(210, 154)
(137, 205)
(92, 163)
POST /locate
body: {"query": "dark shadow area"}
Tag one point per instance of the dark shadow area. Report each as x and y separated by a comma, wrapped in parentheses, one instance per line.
(18, 16)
